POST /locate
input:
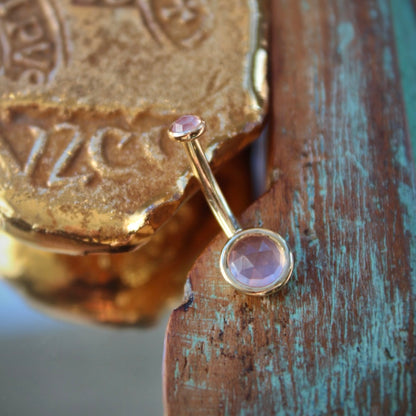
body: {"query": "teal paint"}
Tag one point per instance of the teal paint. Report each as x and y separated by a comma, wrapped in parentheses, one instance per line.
(408, 200)
(352, 156)
(345, 32)
(345, 245)
(388, 63)
(404, 23)
(305, 6)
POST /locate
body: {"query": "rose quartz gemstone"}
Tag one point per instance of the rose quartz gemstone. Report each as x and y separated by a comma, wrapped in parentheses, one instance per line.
(256, 261)
(186, 124)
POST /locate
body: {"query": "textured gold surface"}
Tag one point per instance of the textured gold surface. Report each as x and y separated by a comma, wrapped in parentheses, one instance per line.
(87, 90)
(132, 288)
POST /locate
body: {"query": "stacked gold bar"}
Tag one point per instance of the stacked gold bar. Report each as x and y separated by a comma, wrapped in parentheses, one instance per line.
(87, 91)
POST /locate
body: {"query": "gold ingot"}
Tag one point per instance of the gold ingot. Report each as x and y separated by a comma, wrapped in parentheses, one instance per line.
(87, 91)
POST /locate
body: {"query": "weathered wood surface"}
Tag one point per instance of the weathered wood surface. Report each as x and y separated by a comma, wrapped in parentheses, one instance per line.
(404, 22)
(339, 339)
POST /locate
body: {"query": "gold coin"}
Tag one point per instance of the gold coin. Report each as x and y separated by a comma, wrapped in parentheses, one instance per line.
(87, 91)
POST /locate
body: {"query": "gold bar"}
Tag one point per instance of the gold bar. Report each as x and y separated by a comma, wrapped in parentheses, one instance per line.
(87, 90)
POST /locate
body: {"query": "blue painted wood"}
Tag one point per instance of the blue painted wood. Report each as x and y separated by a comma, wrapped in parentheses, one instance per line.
(339, 339)
(404, 19)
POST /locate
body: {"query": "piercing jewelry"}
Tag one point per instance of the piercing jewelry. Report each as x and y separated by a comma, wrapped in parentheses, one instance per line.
(255, 261)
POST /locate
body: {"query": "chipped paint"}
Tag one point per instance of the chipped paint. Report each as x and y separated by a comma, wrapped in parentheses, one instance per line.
(404, 20)
(340, 338)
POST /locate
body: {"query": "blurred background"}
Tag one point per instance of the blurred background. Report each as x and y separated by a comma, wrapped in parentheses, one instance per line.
(51, 367)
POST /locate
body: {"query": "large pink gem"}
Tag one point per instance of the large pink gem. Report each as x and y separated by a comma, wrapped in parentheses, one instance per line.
(186, 124)
(256, 261)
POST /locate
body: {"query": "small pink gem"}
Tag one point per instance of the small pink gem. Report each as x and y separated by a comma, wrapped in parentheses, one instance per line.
(256, 261)
(186, 124)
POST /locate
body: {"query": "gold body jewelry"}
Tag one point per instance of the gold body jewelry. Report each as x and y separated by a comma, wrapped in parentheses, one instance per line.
(255, 261)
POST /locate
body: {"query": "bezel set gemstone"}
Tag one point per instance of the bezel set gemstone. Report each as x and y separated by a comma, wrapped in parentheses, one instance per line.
(256, 261)
(187, 127)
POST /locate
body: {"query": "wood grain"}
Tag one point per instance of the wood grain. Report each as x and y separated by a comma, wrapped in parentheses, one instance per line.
(339, 339)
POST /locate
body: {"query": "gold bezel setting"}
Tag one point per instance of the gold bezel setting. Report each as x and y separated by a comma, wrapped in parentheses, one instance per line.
(279, 281)
(190, 134)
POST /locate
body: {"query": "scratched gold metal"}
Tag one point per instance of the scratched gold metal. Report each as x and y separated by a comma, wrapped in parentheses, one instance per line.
(132, 288)
(87, 91)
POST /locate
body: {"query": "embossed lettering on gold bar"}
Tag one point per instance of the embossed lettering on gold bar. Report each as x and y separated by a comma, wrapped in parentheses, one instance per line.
(85, 101)
(32, 40)
(183, 22)
(99, 160)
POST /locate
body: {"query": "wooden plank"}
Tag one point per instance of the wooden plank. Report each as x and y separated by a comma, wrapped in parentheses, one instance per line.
(404, 22)
(339, 339)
